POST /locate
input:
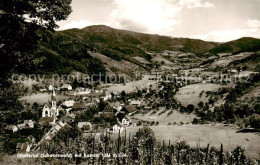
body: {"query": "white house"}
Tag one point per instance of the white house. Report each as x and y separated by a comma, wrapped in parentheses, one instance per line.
(29, 123)
(83, 91)
(50, 88)
(68, 103)
(116, 105)
(126, 121)
(116, 128)
(66, 87)
(105, 96)
(15, 128)
(135, 103)
(21, 126)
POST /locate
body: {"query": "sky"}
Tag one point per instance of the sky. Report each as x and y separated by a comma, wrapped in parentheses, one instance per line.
(210, 20)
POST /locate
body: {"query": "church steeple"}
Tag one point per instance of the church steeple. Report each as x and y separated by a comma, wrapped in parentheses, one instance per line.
(53, 99)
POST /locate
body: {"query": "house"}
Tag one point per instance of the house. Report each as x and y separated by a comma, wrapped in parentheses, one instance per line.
(71, 115)
(126, 121)
(52, 132)
(136, 103)
(68, 103)
(128, 109)
(21, 126)
(234, 71)
(97, 116)
(85, 126)
(116, 128)
(51, 88)
(116, 105)
(23, 147)
(44, 121)
(43, 90)
(15, 128)
(147, 108)
(66, 87)
(83, 91)
(18, 146)
(121, 102)
(108, 108)
(79, 106)
(145, 77)
(109, 115)
(29, 123)
(106, 95)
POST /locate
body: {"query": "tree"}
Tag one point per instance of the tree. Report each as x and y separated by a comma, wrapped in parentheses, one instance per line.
(23, 24)
(201, 104)
(190, 108)
(255, 123)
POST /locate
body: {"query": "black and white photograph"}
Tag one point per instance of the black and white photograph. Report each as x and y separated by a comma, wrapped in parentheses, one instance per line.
(129, 82)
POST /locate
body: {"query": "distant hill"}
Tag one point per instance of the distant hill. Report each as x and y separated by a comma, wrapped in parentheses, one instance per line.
(122, 43)
(65, 51)
(241, 45)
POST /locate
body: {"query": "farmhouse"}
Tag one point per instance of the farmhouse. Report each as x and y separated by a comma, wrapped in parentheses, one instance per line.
(105, 96)
(68, 103)
(66, 87)
(128, 109)
(85, 126)
(56, 128)
(23, 147)
(108, 108)
(29, 123)
(83, 91)
(79, 106)
(116, 128)
(116, 105)
(109, 115)
(121, 102)
(136, 103)
(126, 121)
(50, 88)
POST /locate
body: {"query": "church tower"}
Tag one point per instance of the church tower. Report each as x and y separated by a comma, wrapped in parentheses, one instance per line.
(53, 99)
(54, 110)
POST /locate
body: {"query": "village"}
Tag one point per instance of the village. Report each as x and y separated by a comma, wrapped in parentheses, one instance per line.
(156, 100)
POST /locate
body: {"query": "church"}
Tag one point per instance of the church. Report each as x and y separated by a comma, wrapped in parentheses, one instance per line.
(50, 109)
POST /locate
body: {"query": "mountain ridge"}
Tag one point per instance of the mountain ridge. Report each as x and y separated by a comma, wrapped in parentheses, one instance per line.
(65, 51)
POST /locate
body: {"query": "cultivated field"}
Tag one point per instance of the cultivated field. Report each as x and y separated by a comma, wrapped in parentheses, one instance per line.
(41, 98)
(164, 119)
(206, 134)
(226, 60)
(132, 86)
(191, 94)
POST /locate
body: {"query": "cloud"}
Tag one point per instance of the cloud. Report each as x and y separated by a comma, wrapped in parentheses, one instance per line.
(253, 23)
(194, 4)
(78, 24)
(228, 35)
(156, 16)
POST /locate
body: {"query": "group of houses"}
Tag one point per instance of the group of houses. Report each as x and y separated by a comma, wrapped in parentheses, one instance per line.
(27, 124)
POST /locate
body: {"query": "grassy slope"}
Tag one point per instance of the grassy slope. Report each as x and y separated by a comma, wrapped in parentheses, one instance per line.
(236, 46)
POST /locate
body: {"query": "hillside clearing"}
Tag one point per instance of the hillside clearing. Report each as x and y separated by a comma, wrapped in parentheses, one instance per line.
(191, 94)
